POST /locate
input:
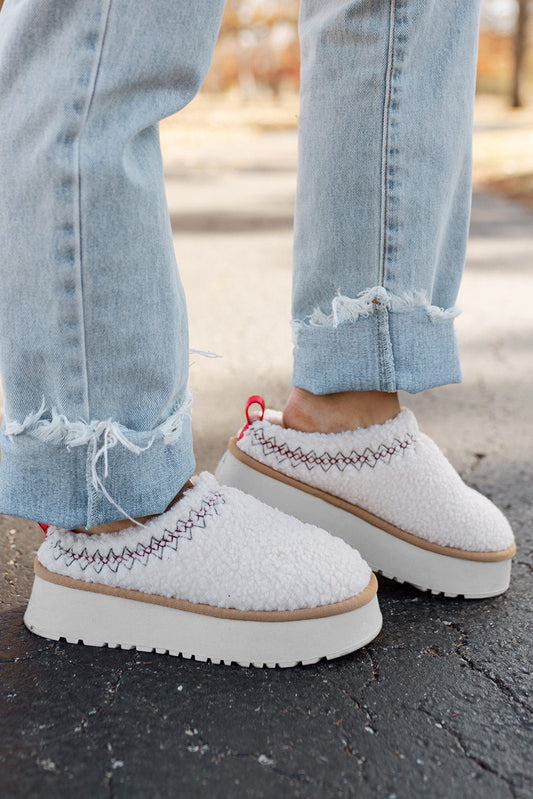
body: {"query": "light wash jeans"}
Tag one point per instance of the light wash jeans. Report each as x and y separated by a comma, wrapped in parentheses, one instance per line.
(93, 324)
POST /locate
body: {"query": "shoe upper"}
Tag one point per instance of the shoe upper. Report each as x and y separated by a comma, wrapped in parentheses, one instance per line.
(216, 546)
(392, 470)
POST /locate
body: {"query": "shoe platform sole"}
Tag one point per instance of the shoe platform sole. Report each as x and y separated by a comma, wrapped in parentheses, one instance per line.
(60, 612)
(387, 554)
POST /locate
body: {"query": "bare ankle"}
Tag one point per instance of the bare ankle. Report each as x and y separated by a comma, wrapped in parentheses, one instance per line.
(334, 413)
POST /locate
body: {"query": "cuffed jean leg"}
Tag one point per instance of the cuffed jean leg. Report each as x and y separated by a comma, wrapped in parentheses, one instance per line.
(384, 191)
(93, 326)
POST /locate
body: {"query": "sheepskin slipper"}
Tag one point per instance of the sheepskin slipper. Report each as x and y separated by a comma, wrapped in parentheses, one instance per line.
(388, 491)
(218, 577)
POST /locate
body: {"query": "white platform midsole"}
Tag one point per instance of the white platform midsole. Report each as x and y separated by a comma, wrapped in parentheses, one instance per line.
(384, 552)
(58, 611)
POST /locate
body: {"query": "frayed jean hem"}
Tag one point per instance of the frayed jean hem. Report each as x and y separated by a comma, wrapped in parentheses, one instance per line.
(385, 350)
(86, 474)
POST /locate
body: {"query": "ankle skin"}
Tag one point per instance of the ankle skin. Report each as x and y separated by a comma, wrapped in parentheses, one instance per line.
(335, 413)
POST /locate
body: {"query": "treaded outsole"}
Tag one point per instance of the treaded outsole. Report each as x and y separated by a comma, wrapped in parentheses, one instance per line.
(62, 613)
(198, 658)
(426, 588)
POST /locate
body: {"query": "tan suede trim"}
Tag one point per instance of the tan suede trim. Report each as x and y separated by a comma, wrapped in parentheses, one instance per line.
(208, 610)
(502, 554)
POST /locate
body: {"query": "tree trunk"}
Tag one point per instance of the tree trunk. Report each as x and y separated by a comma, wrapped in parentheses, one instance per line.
(517, 100)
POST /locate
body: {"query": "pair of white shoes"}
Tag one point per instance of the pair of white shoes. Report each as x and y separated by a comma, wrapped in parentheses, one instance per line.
(224, 577)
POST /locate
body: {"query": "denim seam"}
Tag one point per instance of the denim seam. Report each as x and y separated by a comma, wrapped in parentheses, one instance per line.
(92, 491)
(92, 88)
(385, 149)
(387, 375)
(380, 365)
(386, 364)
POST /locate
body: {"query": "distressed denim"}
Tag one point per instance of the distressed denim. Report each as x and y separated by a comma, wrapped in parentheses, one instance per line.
(384, 192)
(93, 323)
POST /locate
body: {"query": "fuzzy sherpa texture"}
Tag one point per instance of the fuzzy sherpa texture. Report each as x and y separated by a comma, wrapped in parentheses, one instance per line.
(219, 547)
(392, 470)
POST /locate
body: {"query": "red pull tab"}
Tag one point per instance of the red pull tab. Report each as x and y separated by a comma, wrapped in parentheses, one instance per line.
(255, 399)
(44, 528)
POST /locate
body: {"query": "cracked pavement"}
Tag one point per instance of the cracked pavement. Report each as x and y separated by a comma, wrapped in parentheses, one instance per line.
(439, 705)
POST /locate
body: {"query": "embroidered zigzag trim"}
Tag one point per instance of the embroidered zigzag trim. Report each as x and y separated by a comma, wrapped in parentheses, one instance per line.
(142, 552)
(341, 461)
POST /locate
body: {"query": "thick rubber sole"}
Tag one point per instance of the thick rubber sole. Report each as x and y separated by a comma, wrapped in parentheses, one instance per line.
(385, 553)
(58, 612)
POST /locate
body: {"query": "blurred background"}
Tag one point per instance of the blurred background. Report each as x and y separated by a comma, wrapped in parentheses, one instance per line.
(258, 48)
(253, 85)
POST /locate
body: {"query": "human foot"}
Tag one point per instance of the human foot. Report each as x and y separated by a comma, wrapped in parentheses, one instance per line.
(219, 576)
(388, 491)
(334, 413)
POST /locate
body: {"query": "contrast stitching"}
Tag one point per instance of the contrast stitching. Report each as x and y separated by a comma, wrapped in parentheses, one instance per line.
(104, 21)
(142, 552)
(368, 457)
(378, 332)
(385, 156)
